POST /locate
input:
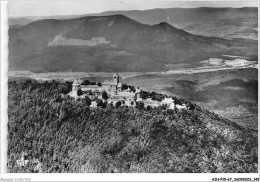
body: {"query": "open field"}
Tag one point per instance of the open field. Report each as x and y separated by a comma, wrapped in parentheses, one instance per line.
(70, 76)
(174, 69)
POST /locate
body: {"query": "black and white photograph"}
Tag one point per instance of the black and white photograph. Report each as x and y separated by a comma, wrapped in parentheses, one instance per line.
(132, 87)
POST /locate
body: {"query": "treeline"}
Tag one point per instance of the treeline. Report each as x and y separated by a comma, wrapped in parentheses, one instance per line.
(87, 82)
(124, 86)
(160, 97)
(67, 136)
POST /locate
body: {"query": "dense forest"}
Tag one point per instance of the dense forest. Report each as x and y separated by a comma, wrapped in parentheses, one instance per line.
(68, 136)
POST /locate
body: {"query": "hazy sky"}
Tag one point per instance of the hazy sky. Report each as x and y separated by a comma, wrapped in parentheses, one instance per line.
(72, 7)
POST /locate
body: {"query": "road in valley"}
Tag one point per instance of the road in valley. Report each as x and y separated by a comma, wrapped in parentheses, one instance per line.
(73, 75)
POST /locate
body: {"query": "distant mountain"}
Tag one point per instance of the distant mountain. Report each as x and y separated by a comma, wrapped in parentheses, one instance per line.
(109, 43)
(216, 22)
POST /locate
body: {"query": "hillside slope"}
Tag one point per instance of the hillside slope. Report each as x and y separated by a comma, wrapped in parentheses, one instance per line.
(68, 136)
(109, 43)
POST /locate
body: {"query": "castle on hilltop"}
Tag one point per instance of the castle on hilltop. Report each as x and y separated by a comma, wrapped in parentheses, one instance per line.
(113, 88)
(119, 93)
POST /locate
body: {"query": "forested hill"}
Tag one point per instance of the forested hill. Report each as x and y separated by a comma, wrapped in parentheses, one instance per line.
(67, 136)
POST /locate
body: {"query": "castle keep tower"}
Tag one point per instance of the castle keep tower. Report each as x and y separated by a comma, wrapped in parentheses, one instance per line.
(116, 78)
(138, 92)
(76, 85)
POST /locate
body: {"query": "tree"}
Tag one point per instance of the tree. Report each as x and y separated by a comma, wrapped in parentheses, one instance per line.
(99, 102)
(124, 87)
(148, 108)
(140, 105)
(104, 95)
(104, 104)
(164, 106)
(87, 100)
(132, 88)
(118, 104)
(58, 98)
(90, 92)
(158, 97)
(177, 101)
(143, 94)
(64, 89)
(79, 92)
(111, 104)
(99, 84)
(85, 82)
(191, 106)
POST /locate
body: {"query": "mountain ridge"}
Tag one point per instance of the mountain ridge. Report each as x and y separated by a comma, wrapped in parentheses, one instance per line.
(148, 47)
(222, 22)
